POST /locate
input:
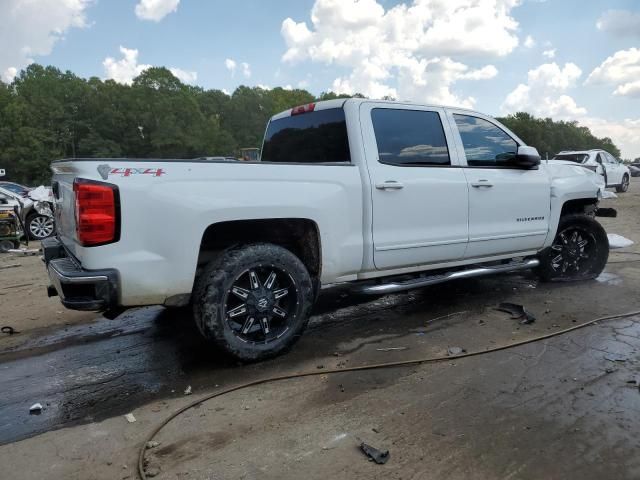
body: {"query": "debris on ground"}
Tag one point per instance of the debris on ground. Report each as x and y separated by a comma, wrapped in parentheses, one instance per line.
(24, 251)
(152, 444)
(187, 391)
(13, 265)
(612, 357)
(518, 312)
(607, 212)
(453, 351)
(9, 330)
(390, 349)
(618, 241)
(375, 455)
(152, 472)
(130, 418)
(36, 409)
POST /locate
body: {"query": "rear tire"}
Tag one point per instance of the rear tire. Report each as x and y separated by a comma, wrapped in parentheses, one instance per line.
(253, 301)
(624, 186)
(579, 252)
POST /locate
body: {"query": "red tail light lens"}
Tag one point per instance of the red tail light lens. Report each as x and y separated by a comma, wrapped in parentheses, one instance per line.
(97, 213)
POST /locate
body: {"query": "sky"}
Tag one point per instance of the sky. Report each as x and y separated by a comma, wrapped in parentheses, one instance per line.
(564, 59)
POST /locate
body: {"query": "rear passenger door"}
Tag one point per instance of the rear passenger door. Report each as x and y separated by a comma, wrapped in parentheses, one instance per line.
(614, 169)
(508, 206)
(418, 192)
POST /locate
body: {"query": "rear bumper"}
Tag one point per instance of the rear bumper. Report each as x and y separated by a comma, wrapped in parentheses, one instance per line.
(78, 289)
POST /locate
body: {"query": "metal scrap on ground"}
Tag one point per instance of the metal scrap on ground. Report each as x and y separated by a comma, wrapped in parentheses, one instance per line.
(518, 312)
(378, 456)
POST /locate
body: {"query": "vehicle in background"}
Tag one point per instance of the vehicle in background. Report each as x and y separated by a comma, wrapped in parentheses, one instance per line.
(634, 170)
(372, 196)
(615, 173)
(250, 154)
(16, 188)
(10, 231)
(38, 222)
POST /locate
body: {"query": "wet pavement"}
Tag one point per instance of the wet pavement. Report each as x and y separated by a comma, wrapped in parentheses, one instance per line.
(89, 372)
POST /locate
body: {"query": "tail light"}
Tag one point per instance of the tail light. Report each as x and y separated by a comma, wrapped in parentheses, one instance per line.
(97, 213)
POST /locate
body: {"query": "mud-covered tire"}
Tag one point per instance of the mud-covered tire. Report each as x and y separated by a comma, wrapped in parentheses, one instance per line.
(624, 186)
(567, 259)
(214, 291)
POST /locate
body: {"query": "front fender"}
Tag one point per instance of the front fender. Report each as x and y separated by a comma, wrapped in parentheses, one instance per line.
(569, 182)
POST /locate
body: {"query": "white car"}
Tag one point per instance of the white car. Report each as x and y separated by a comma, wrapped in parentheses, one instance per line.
(377, 196)
(614, 172)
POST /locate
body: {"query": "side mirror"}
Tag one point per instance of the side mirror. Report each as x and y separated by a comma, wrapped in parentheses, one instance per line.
(527, 158)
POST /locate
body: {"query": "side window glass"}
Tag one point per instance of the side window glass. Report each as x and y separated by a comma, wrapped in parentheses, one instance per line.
(485, 144)
(409, 137)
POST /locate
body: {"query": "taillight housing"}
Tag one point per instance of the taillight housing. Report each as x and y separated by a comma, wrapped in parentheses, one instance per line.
(97, 213)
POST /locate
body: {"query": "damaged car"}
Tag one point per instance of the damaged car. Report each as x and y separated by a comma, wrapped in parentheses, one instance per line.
(36, 210)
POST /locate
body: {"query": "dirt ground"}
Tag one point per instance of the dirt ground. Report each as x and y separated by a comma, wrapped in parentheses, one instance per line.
(562, 408)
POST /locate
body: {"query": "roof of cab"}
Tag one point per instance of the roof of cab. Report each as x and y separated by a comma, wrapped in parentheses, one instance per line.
(340, 102)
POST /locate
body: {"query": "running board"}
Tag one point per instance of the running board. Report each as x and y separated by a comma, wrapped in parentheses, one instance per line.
(391, 287)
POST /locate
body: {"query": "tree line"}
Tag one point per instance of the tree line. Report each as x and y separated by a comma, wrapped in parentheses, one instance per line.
(47, 114)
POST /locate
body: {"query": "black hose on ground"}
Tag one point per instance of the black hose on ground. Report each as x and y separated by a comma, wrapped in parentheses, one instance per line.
(313, 373)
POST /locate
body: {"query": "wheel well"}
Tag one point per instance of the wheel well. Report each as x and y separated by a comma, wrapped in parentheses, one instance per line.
(579, 205)
(298, 235)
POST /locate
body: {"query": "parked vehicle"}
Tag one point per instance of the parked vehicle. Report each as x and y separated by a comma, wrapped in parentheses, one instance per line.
(10, 231)
(615, 173)
(634, 171)
(35, 213)
(16, 188)
(377, 196)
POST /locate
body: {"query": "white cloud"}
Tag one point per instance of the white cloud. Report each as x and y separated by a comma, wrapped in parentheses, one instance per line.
(620, 22)
(184, 76)
(551, 53)
(246, 69)
(32, 28)
(231, 65)
(529, 42)
(406, 51)
(625, 134)
(621, 70)
(127, 68)
(9, 74)
(544, 94)
(155, 10)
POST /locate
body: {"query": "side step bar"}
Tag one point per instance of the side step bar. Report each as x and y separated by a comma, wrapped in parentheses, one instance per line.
(391, 287)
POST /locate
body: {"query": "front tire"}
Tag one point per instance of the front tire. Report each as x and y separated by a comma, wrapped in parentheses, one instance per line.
(579, 251)
(253, 301)
(624, 186)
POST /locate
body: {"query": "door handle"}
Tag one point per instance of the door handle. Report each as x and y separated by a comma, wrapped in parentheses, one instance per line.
(481, 183)
(389, 185)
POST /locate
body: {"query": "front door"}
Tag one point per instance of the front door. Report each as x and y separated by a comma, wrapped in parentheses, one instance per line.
(419, 193)
(508, 207)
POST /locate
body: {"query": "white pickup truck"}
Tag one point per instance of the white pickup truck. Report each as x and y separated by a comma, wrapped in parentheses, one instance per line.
(380, 196)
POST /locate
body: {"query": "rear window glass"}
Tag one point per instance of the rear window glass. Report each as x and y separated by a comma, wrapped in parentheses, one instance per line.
(314, 137)
(409, 137)
(573, 157)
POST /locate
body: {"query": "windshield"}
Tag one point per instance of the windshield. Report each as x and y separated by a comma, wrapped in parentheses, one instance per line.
(573, 157)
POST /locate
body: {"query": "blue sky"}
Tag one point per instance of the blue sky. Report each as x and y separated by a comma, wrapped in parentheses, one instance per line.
(485, 54)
